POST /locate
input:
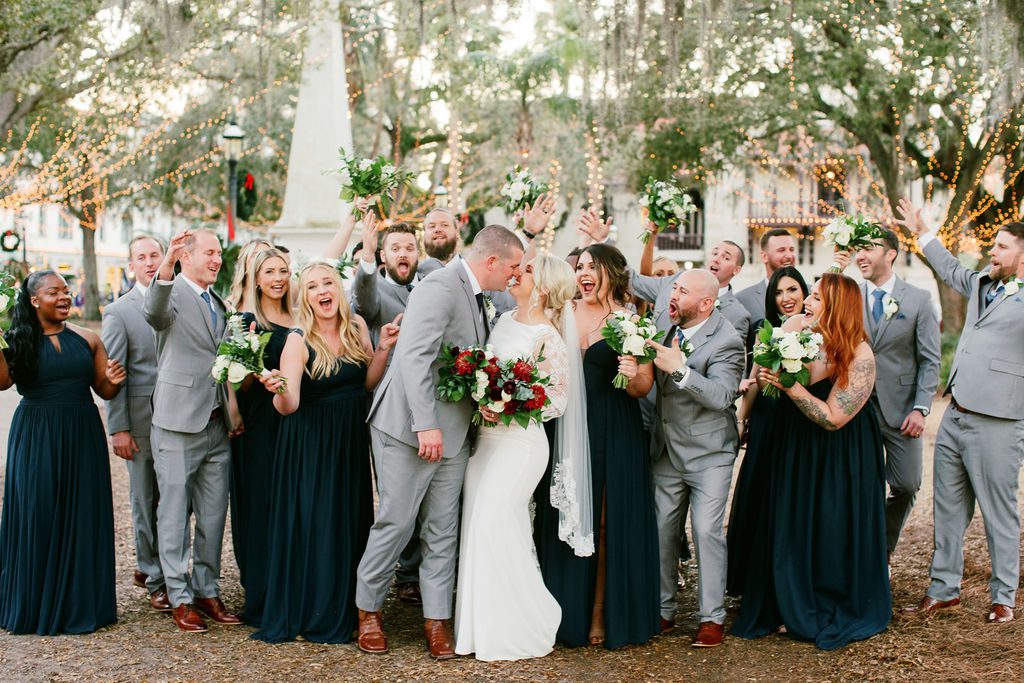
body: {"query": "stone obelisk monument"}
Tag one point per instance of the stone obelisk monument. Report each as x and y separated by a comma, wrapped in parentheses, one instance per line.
(312, 209)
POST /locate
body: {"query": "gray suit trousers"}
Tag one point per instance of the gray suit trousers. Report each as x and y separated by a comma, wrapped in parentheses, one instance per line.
(977, 458)
(903, 463)
(193, 472)
(144, 496)
(410, 486)
(705, 493)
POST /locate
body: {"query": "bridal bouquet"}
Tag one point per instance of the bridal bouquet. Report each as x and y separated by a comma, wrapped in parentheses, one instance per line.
(520, 188)
(240, 354)
(667, 206)
(627, 333)
(370, 178)
(460, 371)
(851, 233)
(786, 353)
(516, 391)
(8, 295)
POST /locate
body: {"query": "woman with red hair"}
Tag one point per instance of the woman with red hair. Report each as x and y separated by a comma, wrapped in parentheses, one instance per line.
(818, 566)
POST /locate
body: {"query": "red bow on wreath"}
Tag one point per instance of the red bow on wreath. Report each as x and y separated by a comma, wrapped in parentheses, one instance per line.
(249, 182)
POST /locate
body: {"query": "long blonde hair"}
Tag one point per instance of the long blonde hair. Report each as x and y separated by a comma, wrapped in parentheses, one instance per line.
(241, 277)
(556, 278)
(326, 362)
(254, 295)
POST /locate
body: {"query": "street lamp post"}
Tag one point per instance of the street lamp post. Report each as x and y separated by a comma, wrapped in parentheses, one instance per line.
(233, 136)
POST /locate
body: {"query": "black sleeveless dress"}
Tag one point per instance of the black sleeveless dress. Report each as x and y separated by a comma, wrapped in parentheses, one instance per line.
(57, 530)
(621, 472)
(321, 510)
(819, 566)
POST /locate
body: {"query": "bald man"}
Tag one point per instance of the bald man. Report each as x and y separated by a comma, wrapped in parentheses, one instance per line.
(694, 443)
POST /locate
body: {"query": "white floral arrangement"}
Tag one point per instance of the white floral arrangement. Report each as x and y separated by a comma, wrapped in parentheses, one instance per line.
(627, 334)
(890, 307)
(786, 353)
(851, 233)
(8, 295)
(521, 188)
(667, 206)
(378, 178)
(1011, 287)
(241, 354)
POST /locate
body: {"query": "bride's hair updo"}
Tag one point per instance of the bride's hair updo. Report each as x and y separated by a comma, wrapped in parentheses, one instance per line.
(555, 278)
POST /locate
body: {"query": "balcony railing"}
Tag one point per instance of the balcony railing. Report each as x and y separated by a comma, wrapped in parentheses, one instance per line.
(689, 235)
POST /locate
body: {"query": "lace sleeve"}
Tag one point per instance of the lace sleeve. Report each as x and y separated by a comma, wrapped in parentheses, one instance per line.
(556, 364)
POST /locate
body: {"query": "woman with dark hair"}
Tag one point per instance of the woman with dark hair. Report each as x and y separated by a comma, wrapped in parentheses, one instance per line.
(821, 571)
(252, 453)
(784, 298)
(610, 597)
(57, 530)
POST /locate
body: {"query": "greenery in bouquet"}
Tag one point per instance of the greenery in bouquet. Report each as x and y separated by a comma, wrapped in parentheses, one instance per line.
(240, 354)
(361, 177)
(667, 206)
(457, 375)
(514, 389)
(8, 296)
(627, 334)
(786, 353)
(521, 189)
(345, 265)
(851, 233)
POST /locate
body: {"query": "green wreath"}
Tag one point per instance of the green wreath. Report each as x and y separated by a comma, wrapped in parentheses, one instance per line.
(10, 241)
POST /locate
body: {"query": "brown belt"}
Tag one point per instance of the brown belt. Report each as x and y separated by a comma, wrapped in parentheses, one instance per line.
(960, 408)
(215, 414)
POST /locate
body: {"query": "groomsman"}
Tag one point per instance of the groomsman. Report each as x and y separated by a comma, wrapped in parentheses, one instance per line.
(904, 333)
(440, 240)
(694, 444)
(129, 340)
(190, 440)
(778, 249)
(421, 445)
(726, 262)
(980, 443)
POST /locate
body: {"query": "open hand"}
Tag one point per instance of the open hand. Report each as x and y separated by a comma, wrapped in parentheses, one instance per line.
(591, 228)
(911, 220)
(536, 217)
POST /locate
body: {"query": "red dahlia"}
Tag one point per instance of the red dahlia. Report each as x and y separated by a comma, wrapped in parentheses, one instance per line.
(522, 371)
(463, 366)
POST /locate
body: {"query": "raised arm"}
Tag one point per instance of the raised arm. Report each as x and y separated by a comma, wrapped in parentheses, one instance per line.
(339, 241)
(647, 287)
(379, 356)
(946, 266)
(158, 309)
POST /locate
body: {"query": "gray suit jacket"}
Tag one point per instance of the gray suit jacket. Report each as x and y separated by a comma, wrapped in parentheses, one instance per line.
(130, 340)
(907, 352)
(377, 299)
(752, 299)
(442, 311)
(428, 266)
(502, 300)
(186, 346)
(696, 426)
(736, 313)
(987, 376)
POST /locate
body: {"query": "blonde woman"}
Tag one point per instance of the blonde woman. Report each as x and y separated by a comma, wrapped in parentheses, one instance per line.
(237, 295)
(503, 611)
(320, 506)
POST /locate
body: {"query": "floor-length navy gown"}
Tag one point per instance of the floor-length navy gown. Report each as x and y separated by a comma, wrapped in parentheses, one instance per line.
(252, 460)
(821, 568)
(57, 530)
(320, 513)
(621, 471)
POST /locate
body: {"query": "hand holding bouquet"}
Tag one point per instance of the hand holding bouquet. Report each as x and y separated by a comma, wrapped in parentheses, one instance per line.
(370, 178)
(627, 334)
(851, 233)
(521, 189)
(786, 353)
(241, 354)
(8, 295)
(512, 390)
(667, 206)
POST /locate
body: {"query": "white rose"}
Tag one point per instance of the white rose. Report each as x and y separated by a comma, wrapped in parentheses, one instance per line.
(254, 343)
(627, 327)
(365, 164)
(517, 191)
(219, 366)
(1009, 289)
(4, 301)
(792, 366)
(843, 237)
(778, 333)
(497, 406)
(237, 372)
(505, 397)
(633, 345)
(790, 347)
(643, 201)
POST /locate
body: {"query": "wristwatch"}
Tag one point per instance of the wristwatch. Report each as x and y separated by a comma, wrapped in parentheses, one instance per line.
(529, 235)
(924, 411)
(678, 375)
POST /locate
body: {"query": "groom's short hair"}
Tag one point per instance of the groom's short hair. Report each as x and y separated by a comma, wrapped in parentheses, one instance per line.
(494, 240)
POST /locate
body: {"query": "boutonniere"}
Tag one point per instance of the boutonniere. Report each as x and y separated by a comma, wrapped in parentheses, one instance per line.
(686, 346)
(891, 308)
(1011, 287)
(718, 303)
(489, 309)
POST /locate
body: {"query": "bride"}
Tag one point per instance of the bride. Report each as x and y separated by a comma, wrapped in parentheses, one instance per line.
(503, 611)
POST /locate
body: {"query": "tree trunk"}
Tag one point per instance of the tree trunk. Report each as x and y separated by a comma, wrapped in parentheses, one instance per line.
(91, 306)
(954, 307)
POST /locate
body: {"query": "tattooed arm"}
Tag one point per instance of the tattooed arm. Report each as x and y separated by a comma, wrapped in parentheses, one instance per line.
(843, 402)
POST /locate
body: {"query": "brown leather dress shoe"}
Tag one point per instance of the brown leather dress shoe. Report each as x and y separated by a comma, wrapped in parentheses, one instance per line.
(187, 619)
(159, 601)
(439, 639)
(1000, 614)
(930, 604)
(709, 634)
(410, 593)
(139, 579)
(667, 625)
(371, 633)
(214, 609)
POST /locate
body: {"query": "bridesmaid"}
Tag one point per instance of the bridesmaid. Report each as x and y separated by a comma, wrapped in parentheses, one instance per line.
(252, 453)
(57, 530)
(784, 298)
(321, 506)
(237, 298)
(612, 597)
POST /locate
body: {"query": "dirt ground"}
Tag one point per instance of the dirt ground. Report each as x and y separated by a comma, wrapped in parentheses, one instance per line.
(144, 645)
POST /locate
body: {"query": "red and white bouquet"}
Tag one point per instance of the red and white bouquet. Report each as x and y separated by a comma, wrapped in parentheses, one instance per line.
(457, 377)
(514, 389)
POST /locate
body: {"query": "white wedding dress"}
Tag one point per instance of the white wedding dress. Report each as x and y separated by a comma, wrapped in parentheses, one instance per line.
(503, 611)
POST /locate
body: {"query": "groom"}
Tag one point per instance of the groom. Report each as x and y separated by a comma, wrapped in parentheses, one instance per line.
(420, 445)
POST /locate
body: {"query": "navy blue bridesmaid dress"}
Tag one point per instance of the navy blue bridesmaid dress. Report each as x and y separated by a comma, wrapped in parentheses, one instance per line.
(57, 528)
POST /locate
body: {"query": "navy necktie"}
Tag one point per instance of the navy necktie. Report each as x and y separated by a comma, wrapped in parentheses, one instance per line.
(483, 311)
(994, 290)
(878, 308)
(205, 296)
